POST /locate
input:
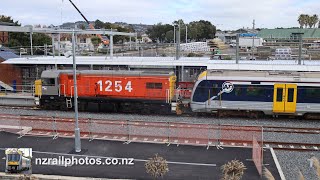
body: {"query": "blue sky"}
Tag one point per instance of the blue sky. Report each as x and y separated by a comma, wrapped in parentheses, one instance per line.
(226, 14)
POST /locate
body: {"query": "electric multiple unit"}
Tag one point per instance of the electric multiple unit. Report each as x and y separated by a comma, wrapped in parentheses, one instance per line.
(257, 92)
(16, 162)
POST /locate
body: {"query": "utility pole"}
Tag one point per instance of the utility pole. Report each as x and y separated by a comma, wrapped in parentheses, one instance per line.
(53, 48)
(31, 49)
(237, 49)
(59, 44)
(252, 48)
(111, 45)
(178, 43)
(174, 34)
(77, 129)
(186, 34)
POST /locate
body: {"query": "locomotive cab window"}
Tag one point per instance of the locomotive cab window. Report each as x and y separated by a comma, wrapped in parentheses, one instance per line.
(154, 85)
(48, 82)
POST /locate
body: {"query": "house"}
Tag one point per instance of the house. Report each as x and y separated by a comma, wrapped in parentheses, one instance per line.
(145, 39)
(83, 42)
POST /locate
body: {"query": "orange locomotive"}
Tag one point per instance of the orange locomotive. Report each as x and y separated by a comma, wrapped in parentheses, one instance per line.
(102, 90)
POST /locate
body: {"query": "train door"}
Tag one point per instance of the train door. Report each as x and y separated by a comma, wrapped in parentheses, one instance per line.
(285, 98)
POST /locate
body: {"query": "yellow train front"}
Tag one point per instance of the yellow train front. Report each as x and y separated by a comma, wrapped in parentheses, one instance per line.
(16, 162)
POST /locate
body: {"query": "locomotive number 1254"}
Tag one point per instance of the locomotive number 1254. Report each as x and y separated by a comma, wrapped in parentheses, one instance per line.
(116, 85)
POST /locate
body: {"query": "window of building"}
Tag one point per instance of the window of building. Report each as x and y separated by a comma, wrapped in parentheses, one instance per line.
(83, 40)
(154, 85)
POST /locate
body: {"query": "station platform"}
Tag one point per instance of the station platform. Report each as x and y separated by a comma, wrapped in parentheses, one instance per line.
(17, 99)
(185, 162)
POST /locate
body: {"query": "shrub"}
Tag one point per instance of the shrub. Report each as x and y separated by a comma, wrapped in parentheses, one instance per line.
(156, 166)
(233, 170)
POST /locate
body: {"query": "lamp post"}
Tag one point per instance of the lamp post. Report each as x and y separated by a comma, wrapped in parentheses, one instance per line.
(174, 34)
(186, 34)
(77, 129)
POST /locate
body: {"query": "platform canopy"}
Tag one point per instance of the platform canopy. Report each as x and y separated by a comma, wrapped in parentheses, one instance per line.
(275, 65)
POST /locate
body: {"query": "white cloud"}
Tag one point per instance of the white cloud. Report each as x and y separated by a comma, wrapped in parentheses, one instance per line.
(229, 14)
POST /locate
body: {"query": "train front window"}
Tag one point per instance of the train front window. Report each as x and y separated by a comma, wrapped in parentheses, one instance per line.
(48, 82)
(13, 157)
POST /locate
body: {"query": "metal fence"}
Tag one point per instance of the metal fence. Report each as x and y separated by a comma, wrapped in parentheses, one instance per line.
(141, 131)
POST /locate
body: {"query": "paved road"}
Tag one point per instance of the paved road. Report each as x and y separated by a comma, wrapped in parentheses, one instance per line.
(185, 162)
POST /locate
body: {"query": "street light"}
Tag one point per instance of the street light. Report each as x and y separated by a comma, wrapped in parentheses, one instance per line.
(77, 129)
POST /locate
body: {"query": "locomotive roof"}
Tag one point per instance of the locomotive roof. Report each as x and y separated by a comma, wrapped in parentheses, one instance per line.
(56, 73)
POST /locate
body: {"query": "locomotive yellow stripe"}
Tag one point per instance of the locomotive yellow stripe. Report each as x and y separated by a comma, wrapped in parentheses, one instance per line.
(172, 81)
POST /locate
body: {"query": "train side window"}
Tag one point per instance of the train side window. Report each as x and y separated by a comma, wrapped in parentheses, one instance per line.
(279, 94)
(238, 91)
(290, 94)
(154, 85)
(48, 82)
(215, 89)
(255, 91)
(158, 86)
(312, 93)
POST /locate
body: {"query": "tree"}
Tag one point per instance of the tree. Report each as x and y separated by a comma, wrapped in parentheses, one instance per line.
(159, 32)
(306, 20)
(314, 20)
(4, 18)
(98, 24)
(23, 39)
(82, 26)
(302, 20)
(201, 30)
(169, 36)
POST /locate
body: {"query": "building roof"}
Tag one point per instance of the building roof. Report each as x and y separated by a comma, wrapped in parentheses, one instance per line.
(276, 65)
(6, 54)
(286, 33)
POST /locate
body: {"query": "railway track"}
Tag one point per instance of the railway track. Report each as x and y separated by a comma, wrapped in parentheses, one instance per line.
(288, 146)
(20, 107)
(291, 146)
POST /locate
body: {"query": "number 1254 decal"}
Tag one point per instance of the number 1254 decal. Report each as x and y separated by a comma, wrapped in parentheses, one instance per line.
(116, 84)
